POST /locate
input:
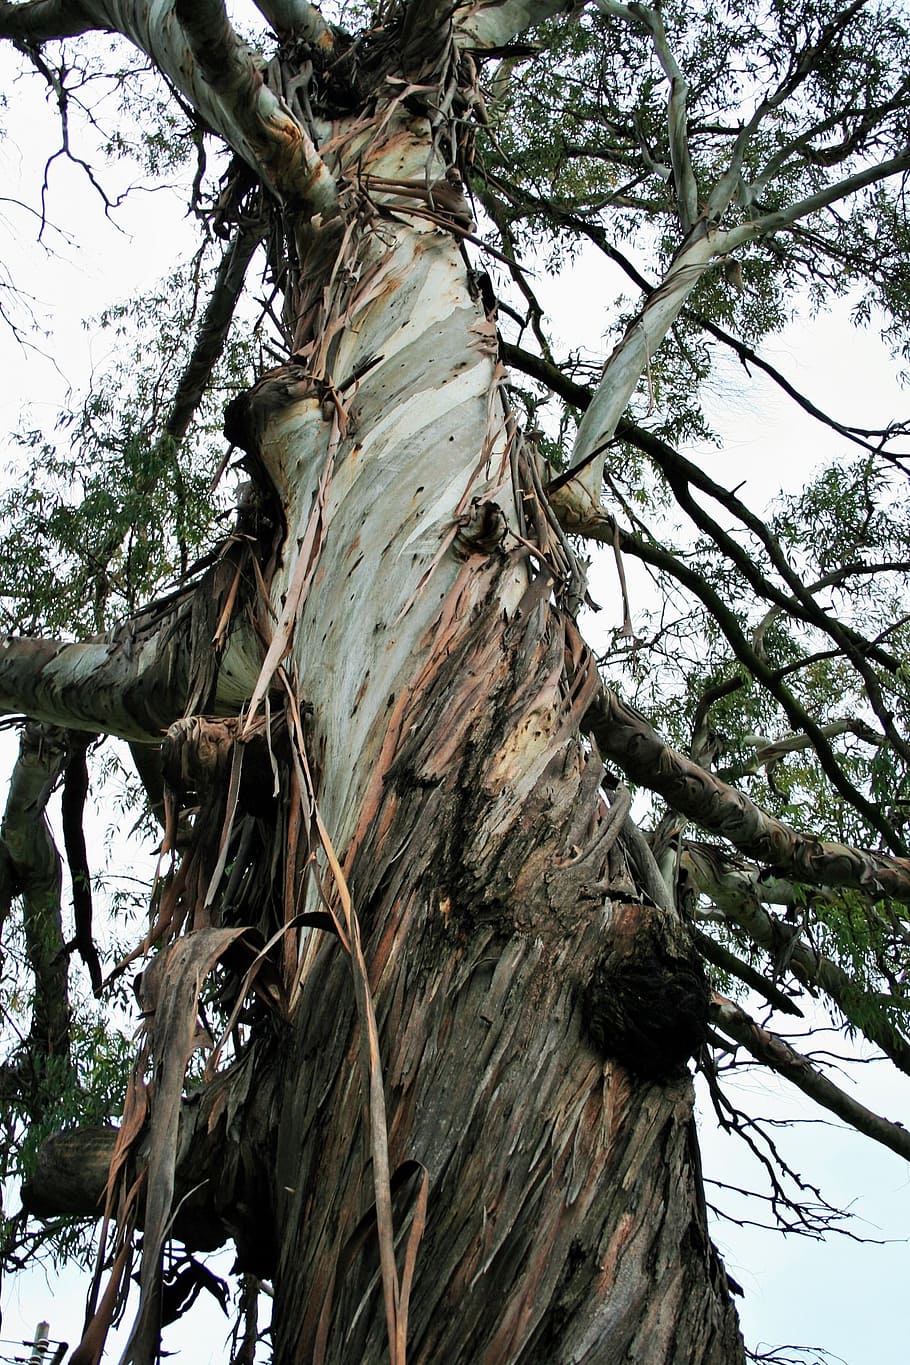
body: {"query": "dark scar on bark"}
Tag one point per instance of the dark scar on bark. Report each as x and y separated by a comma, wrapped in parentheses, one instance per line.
(646, 1003)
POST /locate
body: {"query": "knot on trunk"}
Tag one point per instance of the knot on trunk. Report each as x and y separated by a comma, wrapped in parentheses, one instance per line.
(646, 1004)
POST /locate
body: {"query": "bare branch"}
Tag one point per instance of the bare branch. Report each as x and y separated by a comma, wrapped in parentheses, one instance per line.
(768, 223)
(297, 18)
(728, 962)
(776, 1053)
(40, 21)
(624, 736)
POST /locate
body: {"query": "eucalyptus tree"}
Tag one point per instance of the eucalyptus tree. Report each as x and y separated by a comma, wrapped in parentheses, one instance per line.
(444, 989)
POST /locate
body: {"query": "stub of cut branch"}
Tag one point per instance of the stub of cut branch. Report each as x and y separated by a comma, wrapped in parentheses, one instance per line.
(777, 1053)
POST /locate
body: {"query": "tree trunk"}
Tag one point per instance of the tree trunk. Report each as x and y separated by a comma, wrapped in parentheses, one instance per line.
(444, 683)
(400, 605)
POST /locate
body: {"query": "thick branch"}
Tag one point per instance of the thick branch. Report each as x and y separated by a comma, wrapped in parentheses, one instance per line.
(219, 1189)
(738, 892)
(297, 18)
(283, 151)
(30, 868)
(774, 1052)
(624, 736)
(218, 74)
(43, 20)
(628, 362)
(137, 683)
(486, 27)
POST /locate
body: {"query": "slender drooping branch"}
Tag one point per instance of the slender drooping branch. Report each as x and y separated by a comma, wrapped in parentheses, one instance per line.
(213, 330)
(776, 1053)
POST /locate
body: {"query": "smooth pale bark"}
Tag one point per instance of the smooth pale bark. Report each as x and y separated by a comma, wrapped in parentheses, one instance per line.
(137, 682)
(490, 26)
(296, 17)
(630, 360)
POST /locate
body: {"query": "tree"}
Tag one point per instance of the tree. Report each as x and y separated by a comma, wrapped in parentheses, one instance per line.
(448, 988)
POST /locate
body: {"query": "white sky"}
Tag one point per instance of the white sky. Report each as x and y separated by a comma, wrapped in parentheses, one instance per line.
(842, 1295)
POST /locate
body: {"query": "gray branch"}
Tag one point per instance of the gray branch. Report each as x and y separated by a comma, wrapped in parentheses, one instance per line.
(41, 21)
(624, 736)
(775, 1052)
(297, 18)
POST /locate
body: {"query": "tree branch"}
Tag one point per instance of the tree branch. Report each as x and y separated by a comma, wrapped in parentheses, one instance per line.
(768, 223)
(41, 21)
(220, 76)
(283, 151)
(775, 1052)
(30, 867)
(626, 738)
(137, 682)
(297, 18)
(738, 891)
(487, 27)
(213, 330)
